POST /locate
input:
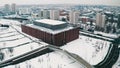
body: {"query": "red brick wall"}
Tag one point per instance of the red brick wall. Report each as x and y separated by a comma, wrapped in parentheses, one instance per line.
(72, 35)
(57, 39)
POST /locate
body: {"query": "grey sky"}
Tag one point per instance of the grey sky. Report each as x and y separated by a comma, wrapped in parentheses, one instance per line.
(104, 2)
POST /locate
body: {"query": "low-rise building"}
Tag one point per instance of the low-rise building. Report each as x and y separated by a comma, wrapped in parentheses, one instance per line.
(51, 31)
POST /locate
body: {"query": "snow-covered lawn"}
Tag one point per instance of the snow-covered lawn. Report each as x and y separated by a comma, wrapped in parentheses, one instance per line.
(90, 49)
(50, 60)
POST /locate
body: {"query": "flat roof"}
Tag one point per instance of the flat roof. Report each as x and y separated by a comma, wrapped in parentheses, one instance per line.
(49, 30)
(50, 22)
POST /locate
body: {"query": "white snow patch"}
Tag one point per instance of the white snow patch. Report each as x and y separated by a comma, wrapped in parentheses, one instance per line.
(90, 49)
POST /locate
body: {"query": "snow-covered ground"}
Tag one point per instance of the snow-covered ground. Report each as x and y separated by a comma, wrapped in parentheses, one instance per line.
(90, 49)
(50, 60)
(18, 43)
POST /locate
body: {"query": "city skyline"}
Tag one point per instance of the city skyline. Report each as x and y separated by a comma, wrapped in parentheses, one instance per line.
(88, 2)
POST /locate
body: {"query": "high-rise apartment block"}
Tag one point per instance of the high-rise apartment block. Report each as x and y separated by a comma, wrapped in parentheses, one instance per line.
(46, 14)
(24, 11)
(7, 8)
(54, 14)
(13, 8)
(103, 20)
(49, 14)
(100, 20)
(74, 17)
(10, 8)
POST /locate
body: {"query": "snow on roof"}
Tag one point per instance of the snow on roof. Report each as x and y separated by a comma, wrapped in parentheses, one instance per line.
(13, 16)
(8, 22)
(49, 30)
(50, 22)
(84, 17)
(108, 12)
(106, 34)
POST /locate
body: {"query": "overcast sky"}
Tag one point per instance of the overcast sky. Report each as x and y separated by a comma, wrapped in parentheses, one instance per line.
(103, 2)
